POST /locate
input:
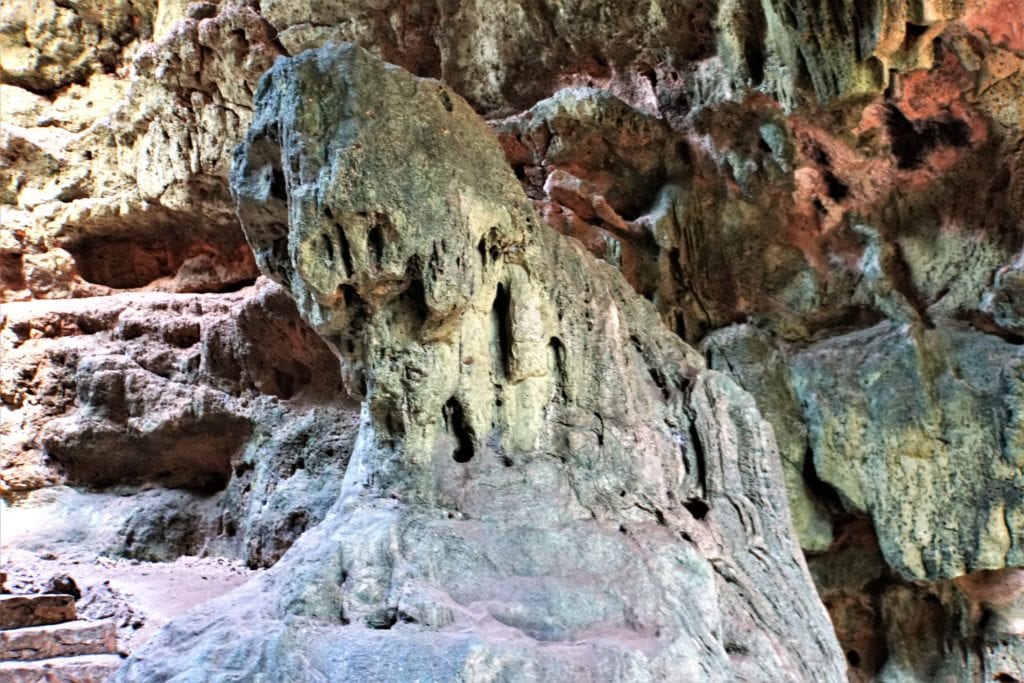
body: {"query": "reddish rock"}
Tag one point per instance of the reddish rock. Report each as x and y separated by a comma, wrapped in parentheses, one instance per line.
(59, 640)
(19, 611)
(82, 669)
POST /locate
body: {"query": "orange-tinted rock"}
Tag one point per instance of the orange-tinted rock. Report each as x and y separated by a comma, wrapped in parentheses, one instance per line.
(20, 611)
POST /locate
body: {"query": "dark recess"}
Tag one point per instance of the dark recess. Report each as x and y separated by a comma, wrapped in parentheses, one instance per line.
(455, 424)
(375, 241)
(500, 312)
(912, 142)
(697, 508)
(837, 189)
(277, 185)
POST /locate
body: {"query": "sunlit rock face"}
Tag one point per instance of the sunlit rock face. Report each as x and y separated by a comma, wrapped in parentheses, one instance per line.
(547, 482)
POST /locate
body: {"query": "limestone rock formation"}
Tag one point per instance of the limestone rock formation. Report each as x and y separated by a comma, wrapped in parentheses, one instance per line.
(547, 482)
(121, 182)
(825, 197)
(227, 404)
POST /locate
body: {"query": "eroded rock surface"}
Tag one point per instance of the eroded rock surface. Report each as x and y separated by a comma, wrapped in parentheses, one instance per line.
(226, 407)
(547, 482)
(815, 194)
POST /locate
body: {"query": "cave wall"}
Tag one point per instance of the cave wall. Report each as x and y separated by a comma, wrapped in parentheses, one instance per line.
(824, 198)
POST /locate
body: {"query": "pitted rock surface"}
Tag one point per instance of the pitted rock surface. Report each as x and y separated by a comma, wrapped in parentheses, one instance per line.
(547, 483)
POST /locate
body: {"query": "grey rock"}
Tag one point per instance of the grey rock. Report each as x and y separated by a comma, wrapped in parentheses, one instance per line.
(921, 428)
(203, 423)
(760, 366)
(546, 484)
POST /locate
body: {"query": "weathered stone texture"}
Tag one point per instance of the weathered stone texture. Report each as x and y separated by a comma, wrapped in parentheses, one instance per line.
(60, 640)
(224, 395)
(17, 611)
(541, 465)
(84, 669)
(826, 197)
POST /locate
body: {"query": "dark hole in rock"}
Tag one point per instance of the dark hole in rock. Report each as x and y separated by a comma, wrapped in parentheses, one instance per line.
(824, 491)
(239, 43)
(753, 45)
(697, 508)
(346, 251)
(556, 354)
(414, 303)
(383, 619)
(350, 296)
(64, 585)
(297, 522)
(911, 34)
(183, 335)
(236, 286)
(853, 657)
(820, 156)
(277, 185)
(285, 384)
(446, 100)
(375, 245)
(12, 274)
(500, 321)
(699, 456)
(481, 247)
(328, 247)
(911, 142)
(679, 324)
(279, 260)
(125, 264)
(803, 73)
(455, 424)
(837, 189)
(194, 454)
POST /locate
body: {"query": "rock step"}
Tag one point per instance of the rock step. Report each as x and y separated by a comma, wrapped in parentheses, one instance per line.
(19, 611)
(82, 669)
(59, 640)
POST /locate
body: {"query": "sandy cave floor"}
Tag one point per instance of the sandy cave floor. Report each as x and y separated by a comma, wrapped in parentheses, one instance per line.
(140, 596)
